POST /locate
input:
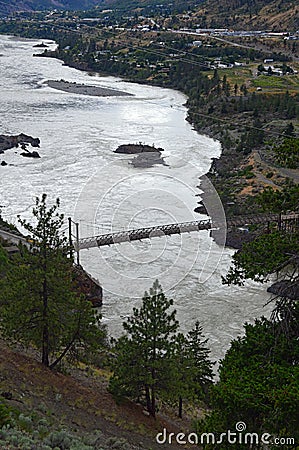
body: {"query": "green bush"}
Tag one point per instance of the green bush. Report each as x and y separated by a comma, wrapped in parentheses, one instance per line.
(117, 444)
(60, 439)
(5, 415)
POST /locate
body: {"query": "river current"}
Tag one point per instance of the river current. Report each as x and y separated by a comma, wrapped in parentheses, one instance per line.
(103, 191)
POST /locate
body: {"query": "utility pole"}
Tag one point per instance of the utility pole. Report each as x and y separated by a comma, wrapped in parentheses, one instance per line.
(70, 238)
(76, 236)
(77, 242)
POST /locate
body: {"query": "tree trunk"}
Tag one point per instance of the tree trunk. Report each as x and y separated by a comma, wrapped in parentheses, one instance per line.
(180, 407)
(153, 403)
(67, 348)
(45, 343)
(148, 399)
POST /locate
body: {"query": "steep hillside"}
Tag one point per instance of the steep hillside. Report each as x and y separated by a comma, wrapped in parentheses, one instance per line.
(246, 14)
(238, 14)
(48, 405)
(9, 6)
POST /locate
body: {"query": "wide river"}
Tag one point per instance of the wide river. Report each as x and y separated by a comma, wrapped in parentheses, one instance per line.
(102, 191)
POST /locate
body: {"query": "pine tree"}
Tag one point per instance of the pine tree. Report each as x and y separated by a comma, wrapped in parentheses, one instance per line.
(38, 301)
(199, 354)
(194, 368)
(145, 352)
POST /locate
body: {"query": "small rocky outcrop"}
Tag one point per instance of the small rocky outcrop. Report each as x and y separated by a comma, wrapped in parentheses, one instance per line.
(285, 288)
(234, 239)
(7, 142)
(88, 286)
(28, 154)
(148, 159)
(42, 45)
(132, 149)
(147, 155)
(3, 163)
(201, 209)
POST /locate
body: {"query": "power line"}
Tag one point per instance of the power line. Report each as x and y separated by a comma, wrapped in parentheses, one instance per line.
(144, 49)
(189, 61)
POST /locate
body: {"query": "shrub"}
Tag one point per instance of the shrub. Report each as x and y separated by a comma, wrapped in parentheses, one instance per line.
(5, 415)
(60, 439)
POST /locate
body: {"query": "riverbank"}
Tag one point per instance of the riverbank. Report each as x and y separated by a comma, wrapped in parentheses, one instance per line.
(234, 114)
(225, 118)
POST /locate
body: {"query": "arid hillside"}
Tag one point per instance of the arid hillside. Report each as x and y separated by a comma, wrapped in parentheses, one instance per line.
(250, 14)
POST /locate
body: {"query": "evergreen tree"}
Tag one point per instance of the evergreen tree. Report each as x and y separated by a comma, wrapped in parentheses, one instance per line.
(3, 261)
(145, 354)
(286, 199)
(194, 368)
(199, 355)
(289, 130)
(38, 301)
(258, 384)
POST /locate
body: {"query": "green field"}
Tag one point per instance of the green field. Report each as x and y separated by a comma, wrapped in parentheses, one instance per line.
(288, 82)
(248, 75)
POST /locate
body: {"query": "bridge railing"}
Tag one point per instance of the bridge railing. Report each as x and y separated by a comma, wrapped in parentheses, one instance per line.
(178, 228)
(143, 233)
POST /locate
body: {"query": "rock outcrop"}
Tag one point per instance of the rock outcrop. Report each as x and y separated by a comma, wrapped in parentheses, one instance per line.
(7, 142)
(147, 155)
(132, 149)
(88, 286)
(285, 288)
(28, 154)
(42, 45)
(148, 159)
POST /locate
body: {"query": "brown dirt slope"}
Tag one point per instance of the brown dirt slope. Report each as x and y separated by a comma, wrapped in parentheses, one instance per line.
(79, 402)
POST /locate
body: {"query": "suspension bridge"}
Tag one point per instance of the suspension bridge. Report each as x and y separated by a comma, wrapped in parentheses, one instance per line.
(283, 222)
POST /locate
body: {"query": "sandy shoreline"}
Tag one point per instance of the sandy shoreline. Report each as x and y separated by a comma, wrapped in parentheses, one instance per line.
(85, 89)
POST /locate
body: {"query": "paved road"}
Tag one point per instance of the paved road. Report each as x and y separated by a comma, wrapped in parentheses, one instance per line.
(13, 238)
(290, 173)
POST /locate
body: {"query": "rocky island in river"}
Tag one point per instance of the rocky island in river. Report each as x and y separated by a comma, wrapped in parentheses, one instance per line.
(7, 142)
(23, 140)
(85, 89)
(146, 155)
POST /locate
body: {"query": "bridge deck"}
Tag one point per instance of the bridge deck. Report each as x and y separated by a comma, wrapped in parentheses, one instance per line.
(178, 228)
